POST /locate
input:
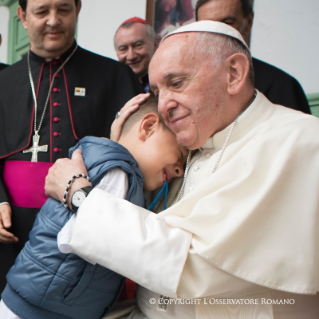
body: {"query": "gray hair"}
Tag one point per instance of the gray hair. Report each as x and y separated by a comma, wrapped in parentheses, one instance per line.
(246, 5)
(220, 47)
(149, 30)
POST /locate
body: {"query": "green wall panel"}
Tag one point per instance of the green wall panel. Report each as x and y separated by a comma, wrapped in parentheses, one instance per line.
(313, 100)
(18, 43)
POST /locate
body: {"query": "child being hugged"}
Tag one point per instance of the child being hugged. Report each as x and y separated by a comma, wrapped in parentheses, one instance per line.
(46, 283)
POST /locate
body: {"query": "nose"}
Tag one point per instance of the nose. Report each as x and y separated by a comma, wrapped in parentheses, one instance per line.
(53, 19)
(165, 104)
(130, 54)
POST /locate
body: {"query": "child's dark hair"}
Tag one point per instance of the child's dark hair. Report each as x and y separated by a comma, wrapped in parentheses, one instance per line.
(149, 106)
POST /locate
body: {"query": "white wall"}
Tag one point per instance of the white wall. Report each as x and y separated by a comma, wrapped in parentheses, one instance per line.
(4, 24)
(286, 34)
(99, 19)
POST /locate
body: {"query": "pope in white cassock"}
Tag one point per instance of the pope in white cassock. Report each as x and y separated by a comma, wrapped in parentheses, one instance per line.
(241, 239)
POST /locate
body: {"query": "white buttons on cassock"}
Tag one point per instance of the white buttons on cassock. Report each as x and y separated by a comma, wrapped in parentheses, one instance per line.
(208, 155)
(196, 168)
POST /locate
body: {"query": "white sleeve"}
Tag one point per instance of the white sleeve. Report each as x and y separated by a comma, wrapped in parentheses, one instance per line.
(139, 245)
(131, 241)
(114, 182)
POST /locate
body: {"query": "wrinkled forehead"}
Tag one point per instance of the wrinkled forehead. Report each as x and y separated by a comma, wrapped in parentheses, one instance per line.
(175, 51)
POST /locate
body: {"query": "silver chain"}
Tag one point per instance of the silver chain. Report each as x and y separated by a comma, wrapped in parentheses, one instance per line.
(185, 175)
(50, 89)
(181, 193)
(225, 144)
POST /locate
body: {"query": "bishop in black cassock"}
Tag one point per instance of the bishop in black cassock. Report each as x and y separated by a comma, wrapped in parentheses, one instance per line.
(86, 95)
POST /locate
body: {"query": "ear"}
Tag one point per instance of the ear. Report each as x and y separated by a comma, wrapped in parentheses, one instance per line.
(237, 72)
(78, 7)
(250, 18)
(247, 28)
(22, 16)
(148, 125)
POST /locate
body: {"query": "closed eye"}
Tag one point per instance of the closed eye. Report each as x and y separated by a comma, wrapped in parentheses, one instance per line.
(65, 10)
(176, 84)
(122, 49)
(138, 44)
(40, 12)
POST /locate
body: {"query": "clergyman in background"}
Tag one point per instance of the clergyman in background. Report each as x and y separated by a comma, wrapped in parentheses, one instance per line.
(135, 42)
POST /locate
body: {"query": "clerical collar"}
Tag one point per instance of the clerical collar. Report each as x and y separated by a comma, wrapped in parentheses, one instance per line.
(217, 140)
(35, 57)
(49, 60)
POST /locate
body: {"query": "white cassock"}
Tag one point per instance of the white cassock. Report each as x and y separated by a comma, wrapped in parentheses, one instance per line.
(247, 232)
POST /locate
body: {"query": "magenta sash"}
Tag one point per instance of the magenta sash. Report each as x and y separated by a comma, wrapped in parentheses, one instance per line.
(25, 182)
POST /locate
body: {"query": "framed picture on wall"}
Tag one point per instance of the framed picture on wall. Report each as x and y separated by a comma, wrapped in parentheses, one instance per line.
(168, 15)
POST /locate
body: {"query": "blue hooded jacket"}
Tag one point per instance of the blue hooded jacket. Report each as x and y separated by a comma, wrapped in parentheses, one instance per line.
(45, 283)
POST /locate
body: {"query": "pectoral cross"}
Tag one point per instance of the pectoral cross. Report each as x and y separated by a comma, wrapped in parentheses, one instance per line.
(35, 148)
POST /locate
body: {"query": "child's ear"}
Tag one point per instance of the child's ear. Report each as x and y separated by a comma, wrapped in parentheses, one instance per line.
(148, 125)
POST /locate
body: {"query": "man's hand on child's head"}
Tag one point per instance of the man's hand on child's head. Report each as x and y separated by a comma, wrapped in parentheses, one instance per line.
(131, 106)
(61, 172)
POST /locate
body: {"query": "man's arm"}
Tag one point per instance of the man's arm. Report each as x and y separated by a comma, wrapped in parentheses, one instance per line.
(137, 244)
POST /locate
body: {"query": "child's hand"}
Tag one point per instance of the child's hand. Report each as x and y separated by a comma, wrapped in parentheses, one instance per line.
(131, 106)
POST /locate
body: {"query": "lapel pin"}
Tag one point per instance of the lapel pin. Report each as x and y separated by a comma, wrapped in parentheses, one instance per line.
(79, 92)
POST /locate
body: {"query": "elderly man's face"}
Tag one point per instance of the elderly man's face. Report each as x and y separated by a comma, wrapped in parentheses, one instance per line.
(134, 47)
(191, 90)
(51, 25)
(229, 12)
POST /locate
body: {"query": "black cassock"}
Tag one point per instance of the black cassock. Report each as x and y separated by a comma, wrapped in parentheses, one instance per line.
(279, 87)
(86, 95)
